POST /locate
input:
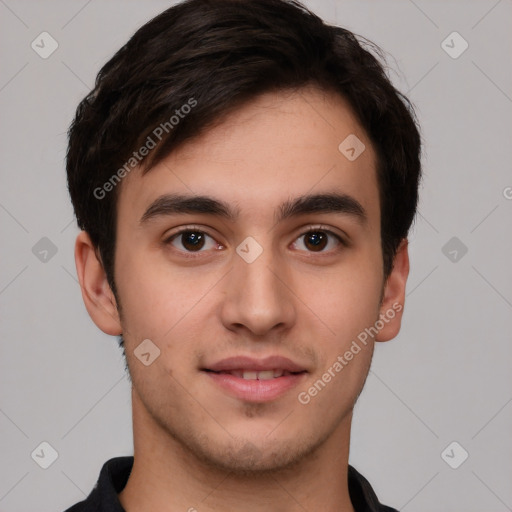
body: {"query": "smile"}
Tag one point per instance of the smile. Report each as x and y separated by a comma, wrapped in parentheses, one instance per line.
(255, 375)
(255, 380)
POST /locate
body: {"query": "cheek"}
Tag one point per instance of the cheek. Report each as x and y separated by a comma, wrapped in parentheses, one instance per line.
(345, 300)
(348, 307)
(155, 297)
(332, 393)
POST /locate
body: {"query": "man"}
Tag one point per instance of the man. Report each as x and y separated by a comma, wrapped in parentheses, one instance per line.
(245, 177)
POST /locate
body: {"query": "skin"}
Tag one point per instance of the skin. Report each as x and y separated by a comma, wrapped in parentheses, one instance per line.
(195, 446)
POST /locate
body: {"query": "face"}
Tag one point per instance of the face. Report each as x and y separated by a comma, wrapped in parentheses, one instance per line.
(251, 258)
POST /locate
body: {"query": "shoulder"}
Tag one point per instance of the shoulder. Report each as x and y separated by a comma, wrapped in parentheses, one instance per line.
(362, 495)
(103, 498)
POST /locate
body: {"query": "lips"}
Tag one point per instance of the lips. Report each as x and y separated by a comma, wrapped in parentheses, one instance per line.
(256, 380)
(249, 364)
(252, 375)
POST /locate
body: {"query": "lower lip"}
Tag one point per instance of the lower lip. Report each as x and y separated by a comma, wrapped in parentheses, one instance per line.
(256, 390)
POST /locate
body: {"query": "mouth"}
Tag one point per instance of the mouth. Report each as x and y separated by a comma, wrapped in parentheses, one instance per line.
(257, 375)
(253, 380)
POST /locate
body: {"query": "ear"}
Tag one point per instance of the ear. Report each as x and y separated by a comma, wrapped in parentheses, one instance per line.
(96, 293)
(392, 306)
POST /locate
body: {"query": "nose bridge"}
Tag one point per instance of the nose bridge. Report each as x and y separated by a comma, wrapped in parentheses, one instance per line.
(256, 296)
(258, 277)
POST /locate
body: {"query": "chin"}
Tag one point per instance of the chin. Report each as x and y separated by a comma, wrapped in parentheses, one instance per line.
(249, 456)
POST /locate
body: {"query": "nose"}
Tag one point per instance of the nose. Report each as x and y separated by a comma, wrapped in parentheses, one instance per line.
(258, 296)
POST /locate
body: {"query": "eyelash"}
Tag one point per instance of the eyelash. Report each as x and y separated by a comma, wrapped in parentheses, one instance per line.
(196, 254)
(321, 229)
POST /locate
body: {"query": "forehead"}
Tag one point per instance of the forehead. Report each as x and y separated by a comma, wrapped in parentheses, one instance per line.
(280, 144)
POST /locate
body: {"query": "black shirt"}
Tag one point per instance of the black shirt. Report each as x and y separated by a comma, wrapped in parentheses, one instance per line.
(115, 473)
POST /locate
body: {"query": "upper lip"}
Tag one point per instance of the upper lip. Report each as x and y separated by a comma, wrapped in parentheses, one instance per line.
(257, 365)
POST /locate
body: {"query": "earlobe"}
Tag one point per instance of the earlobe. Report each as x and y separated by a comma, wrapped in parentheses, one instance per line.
(392, 306)
(96, 292)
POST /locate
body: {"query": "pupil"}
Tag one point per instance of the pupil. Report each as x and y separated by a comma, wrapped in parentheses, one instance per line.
(317, 240)
(193, 240)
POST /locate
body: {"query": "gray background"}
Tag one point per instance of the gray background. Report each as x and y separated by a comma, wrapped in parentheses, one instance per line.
(445, 378)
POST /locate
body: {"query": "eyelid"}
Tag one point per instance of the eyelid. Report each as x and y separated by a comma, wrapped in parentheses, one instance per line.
(342, 237)
(324, 252)
(304, 230)
(186, 229)
(167, 241)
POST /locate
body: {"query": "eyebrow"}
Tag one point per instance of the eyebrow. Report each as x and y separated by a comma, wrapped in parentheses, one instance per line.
(170, 204)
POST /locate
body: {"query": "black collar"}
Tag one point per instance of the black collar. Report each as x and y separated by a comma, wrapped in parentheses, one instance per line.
(115, 473)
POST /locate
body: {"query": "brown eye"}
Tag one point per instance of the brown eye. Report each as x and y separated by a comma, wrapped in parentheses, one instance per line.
(192, 241)
(315, 241)
(318, 241)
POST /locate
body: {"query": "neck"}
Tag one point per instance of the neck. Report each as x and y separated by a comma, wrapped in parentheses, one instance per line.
(167, 476)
